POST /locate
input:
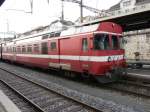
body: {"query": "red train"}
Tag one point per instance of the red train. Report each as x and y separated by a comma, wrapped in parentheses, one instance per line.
(94, 50)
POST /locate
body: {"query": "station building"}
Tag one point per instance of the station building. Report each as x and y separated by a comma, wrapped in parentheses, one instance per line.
(137, 43)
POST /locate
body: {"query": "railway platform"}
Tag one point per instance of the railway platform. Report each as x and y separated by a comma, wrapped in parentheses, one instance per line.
(6, 105)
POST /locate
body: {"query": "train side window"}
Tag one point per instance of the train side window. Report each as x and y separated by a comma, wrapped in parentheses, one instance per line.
(84, 44)
(29, 48)
(36, 48)
(11, 50)
(14, 49)
(53, 46)
(7, 49)
(44, 48)
(23, 49)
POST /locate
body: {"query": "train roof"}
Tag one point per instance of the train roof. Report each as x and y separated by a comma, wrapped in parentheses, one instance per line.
(77, 29)
(72, 30)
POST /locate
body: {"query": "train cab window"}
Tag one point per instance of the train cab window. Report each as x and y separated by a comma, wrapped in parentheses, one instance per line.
(53, 46)
(101, 42)
(84, 44)
(115, 42)
(44, 48)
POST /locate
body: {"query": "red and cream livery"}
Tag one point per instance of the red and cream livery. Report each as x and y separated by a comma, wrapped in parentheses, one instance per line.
(94, 49)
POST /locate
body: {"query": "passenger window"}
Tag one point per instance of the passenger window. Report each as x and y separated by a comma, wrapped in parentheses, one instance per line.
(29, 48)
(18, 49)
(101, 42)
(23, 49)
(84, 44)
(115, 43)
(44, 48)
(14, 49)
(36, 48)
(45, 36)
(53, 46)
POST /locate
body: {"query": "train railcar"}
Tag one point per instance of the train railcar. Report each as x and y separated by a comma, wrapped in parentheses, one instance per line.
(94, 50)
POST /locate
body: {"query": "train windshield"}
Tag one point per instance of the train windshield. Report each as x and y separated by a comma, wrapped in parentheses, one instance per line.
(115, 42)
(121, 42)
(101, 42)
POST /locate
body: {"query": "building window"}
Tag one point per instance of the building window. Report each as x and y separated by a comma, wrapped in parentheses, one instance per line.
(127, 3)
(53, 46)
(148, 37)
(44, 48)
(84, 44)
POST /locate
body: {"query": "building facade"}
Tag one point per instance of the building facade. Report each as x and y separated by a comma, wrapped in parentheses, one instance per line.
(137, 43)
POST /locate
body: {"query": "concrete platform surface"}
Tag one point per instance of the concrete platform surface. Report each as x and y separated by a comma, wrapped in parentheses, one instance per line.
(6, 105)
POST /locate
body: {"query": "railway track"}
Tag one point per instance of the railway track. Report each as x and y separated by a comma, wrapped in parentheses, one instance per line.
(42, 98)
(19, 100)
(137, 89)
(130, 87)
(101, 106)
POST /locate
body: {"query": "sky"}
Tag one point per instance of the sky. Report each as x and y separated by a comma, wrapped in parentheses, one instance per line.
(43, 13)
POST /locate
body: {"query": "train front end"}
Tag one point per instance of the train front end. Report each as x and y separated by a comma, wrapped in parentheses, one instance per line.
(108, 56)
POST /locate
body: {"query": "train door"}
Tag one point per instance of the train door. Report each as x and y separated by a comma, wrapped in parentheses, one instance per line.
(54, 53)
(84, 55)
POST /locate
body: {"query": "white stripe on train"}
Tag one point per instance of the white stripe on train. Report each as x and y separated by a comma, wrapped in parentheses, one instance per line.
(71, 57)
